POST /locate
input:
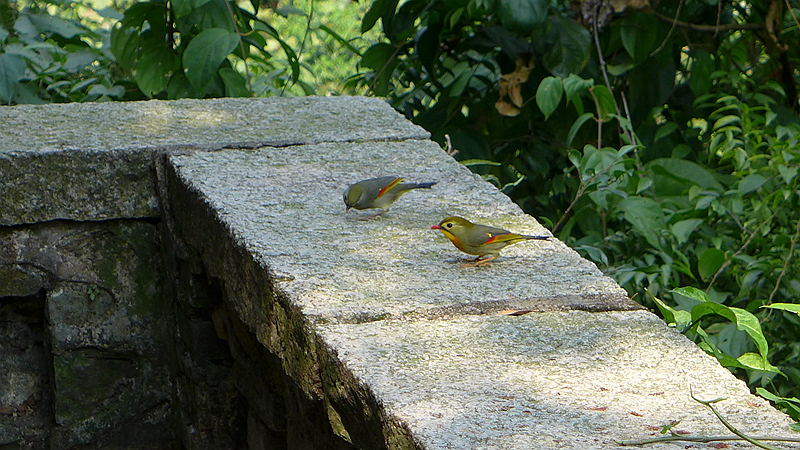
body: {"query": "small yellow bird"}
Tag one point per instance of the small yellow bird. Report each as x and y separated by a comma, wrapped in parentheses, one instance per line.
(379, 192)
(481, 240)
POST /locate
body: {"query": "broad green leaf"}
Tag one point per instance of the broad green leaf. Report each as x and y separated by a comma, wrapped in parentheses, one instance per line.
(638, 34)
(378, 8)
(744, 320)
(548, 95)
(377, 56)
(791, 403)
(787, 173)
(665, 130)
(790, 307)
(573, 130)
(750, 183)
(574, 85)
(12, 69)
(644, 184)
(570, 47)
(700, 80)
(155, 67)
(184, 7)
(684, 228)
(711, 260)
(205, 53)
(235, 83)
(725, 121)
(681, 320)
(522, 15)
(754, 361)
(605, 99)
(48, 24)
(675, 176)
(646, 217)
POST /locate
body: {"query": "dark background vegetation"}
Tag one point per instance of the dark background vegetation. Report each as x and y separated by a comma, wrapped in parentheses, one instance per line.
(661, 140)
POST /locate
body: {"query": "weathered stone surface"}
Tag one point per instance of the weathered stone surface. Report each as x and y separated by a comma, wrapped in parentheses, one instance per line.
(25, 390)
(96, 161)
(550, 380)
(98, 331)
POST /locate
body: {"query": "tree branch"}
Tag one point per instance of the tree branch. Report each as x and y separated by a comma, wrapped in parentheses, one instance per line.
(710, 28)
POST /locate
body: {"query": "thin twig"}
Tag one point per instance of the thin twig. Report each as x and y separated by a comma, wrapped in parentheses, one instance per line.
(710, 28)
(731, 427)
(671, 30)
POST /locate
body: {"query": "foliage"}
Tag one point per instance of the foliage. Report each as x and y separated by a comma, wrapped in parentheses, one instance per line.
(56, 58)
(65, 52)
(688, 176)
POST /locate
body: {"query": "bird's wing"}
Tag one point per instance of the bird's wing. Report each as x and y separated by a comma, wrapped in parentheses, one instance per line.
(389, 186)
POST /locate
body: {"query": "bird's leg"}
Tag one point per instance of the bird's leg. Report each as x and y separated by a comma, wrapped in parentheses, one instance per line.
(479, 261)
(377, 215)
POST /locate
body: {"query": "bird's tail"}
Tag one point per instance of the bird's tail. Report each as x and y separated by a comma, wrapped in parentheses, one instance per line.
(538, 238)
(425, 185)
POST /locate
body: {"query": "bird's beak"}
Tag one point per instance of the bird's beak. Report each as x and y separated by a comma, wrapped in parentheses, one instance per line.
(346, 209)
(436, 227)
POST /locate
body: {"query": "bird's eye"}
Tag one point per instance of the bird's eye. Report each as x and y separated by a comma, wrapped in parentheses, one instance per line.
(449, 225)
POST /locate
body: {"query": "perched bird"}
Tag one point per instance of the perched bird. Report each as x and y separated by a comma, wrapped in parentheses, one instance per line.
(481, 240)
(379, 193)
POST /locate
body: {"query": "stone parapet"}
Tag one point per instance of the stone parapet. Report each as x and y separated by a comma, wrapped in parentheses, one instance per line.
(184, 273)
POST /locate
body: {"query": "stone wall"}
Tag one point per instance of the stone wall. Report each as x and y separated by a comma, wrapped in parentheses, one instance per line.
(182, 275)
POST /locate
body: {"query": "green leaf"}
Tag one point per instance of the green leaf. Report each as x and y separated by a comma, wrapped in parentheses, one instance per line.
(235, 83)
(792, 404)
(683, 229)
(790, 307)
(676, 175)
(787, 173)
(570, 47)
(479, 162)
(665, 130)
(750, 183)
(756, 362)
(646, 217)
(605, 100)
(548, 95)
(12, 69)
(574, 85)
(638, 35)
(725, 121)
(377, 56)
(522, 15)
(644, 184)
(711, 260)
(700, 80)
(155, 67)
(573, 130)
(744, 320)
(681, 320)
(47, 24)
(205, 53)
(185, 7)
